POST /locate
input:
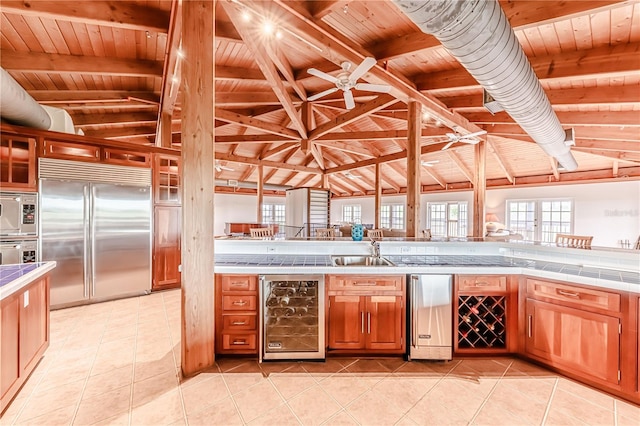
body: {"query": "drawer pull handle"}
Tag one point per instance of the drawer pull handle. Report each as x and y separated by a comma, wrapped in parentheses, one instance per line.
(365, 283)
(239, 342)
(568, 293)
(481, 284)
(238, 284)
(239, 323)
(240, 303)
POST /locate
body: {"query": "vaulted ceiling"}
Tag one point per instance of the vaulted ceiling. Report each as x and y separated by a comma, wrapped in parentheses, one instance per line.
(115, 67)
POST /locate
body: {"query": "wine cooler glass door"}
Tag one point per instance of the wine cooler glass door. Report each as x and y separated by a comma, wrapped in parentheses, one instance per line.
(293, 320)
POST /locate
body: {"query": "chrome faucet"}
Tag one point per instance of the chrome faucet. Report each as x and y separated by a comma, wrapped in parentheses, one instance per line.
(375, 246)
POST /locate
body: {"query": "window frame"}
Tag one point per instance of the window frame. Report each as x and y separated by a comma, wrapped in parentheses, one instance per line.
(444, 227)
(539, 223)
(395, 211)
(352, 218)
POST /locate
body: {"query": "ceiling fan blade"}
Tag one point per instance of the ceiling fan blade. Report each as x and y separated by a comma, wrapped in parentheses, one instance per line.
(448, 145)
(323, 75)
(361, 70)
(348, 99)
(321, 94)
(473, 135)
(471, 141)
(452, 136)
(381, 88)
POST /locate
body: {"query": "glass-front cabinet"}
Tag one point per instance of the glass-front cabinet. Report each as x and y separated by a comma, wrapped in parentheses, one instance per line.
(17, 162)
(167, 179)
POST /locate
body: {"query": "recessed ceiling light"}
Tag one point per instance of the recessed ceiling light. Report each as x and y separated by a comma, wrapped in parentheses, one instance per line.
(246, 16)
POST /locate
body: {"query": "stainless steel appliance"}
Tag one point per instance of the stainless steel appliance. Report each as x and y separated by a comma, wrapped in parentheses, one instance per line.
(95, 222)
(19, 251)
(292, 320)
(431, 317)
(18, 214)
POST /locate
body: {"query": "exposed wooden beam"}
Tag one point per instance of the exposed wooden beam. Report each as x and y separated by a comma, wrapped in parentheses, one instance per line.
(346, 147)
(463, 168)
(266, 65)
(583, 143)
(89, 96)
(599, 62)
(628, 157)
(377, 135)
(322, 8)
(254, 123)
(501, 162)
(479, 188)
(385, 177)
(435, 176)
(353, 115)
(585, 118)
(243, 99)
(257, 162)
(602, 132)
(615, 167)
(554, 167)
(278, 149)
(237, 73)
(377, 201)
(268, 138)
(227, 32)
(414, 124)
(116, 14)
(114, 118)
(51, 63)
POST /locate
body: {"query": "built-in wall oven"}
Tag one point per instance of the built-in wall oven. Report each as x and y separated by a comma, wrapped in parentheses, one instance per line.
(19, 251)
(18, 214)
(292, 319)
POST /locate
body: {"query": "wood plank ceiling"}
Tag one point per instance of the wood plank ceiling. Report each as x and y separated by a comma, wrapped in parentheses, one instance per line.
(115, 67)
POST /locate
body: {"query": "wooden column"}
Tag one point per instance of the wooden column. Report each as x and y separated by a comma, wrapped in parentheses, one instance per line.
(378, 197)
(165, 130)
(479, 187)
(198, 332)
(260, 193)
(413, 168)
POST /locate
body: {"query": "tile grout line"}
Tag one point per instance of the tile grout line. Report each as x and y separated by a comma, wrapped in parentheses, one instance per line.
(133, 364)
(493, 388)
(235, 404)
(546, 411)
(177, 368)
(286, 402)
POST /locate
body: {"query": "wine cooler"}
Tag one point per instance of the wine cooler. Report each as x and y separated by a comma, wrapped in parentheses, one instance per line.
(292, 320)
(481, 322)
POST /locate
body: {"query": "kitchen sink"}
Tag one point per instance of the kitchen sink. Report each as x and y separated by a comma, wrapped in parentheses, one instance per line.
(360, 261)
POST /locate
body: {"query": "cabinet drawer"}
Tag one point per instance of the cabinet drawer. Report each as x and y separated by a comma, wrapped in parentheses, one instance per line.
(238, 302)
(239, 322)
(580, 297)
(233, 341)
(365, 283)
(239, 283)
(481, 283)
(71, 151)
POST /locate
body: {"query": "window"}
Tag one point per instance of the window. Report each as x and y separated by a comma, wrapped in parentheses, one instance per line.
(352, 213)
(273, 213)
(392, 216)
(540, 220)
(447, 219)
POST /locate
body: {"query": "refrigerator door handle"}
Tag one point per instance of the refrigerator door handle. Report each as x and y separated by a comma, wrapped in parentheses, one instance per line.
(87, 232)
(414, 308)
(92, 228)
(261, 313)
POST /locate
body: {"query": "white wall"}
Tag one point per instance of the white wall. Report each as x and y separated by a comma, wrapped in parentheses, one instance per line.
(237, 208)
(609, 211)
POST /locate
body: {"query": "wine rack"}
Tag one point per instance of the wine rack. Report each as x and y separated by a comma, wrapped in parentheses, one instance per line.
(481, 322)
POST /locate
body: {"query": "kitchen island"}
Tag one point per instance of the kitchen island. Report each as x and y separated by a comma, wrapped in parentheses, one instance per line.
(24, 323)
(573, 310)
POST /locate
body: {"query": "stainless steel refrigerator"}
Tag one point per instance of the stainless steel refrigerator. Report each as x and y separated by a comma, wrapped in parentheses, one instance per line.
(431, 317)
(95, 222)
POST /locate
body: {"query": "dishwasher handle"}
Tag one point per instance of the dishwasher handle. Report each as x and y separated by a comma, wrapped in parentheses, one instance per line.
(414, 314)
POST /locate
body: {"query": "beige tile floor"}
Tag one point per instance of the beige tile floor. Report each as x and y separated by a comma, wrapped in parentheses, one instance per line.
(118, 363)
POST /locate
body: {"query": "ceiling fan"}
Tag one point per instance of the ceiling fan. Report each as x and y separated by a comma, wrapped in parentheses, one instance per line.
(429, 163)
(219, 167)
(351, 176)
(457, 137)
(346, 81)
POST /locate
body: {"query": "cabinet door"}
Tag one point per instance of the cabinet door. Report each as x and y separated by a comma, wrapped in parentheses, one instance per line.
(166, 247)
(127, 158)
(584, 342)
(17, 162)
(166, 179)
(347, 322)
(384, 322)
(9, 344)
(33, 324)
(71, 151)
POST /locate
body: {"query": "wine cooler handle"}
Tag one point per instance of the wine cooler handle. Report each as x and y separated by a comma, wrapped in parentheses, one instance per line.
(481, 284)
(529, 325)
(240, 302)
(414, 306)
(239, 323)
(239, 342)
(368, 322)
(362, 322)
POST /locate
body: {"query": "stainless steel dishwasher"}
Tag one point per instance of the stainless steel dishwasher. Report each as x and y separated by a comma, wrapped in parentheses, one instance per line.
(431, 334)
(292, 320)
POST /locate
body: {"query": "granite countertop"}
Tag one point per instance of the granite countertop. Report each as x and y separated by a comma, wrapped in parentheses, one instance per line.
(288, 263)
(15, 277)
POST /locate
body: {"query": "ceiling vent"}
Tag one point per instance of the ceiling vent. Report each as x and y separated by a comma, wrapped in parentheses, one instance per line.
(490, 104)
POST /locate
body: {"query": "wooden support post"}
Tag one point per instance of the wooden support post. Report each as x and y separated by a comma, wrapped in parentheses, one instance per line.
(198, 136)
(166, 137)
(378, 198)
(260, 193)
(325, 181)
(413, 168)
(479, 188)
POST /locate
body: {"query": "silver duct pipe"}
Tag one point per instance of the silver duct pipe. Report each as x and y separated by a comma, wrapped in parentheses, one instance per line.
(477, 33)
(252, 185)
(18, 107)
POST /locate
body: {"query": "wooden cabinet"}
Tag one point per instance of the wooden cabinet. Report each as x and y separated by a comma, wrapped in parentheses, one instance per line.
(167, 252)
(366, 314)
(17, 162)
(24, 336)
(575, 329)
(237, 314)
(126, 157)
(486, 320)
(166, 179)
(70, 151)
